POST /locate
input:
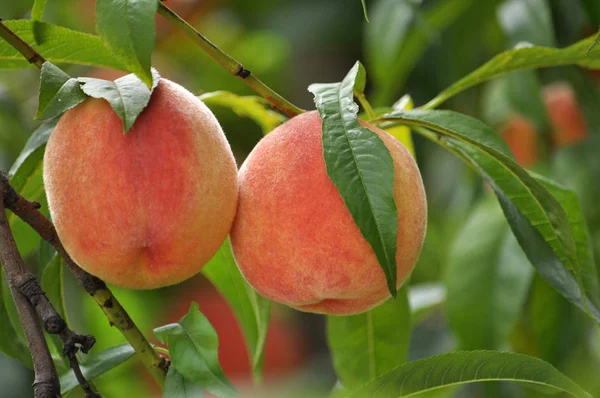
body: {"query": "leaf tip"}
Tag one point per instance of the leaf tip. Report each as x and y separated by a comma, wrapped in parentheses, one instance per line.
(194, 307)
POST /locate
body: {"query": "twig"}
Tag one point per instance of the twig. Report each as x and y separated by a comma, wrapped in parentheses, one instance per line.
(55, 324)
(25, 283)
(362, 99)
(46, 384)
(116, 314)
(229, 63)
(20, 45)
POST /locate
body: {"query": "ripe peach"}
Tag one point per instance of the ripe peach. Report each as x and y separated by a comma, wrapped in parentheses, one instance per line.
(565, 115)
(521, 136)
(295, 241)
(146, 209)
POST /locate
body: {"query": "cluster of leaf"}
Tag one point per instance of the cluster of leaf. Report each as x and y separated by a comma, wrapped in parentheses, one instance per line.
(543, 216)
(485, 292)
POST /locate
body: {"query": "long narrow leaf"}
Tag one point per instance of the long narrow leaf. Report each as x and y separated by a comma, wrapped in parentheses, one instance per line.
(57, 45)
(367, 345)
(127, 28)
(524, 57)
(252, 310)
(462, 367)
(361, 167)
(536, 217)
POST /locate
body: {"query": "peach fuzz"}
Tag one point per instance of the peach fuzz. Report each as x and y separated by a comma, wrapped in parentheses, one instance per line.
(146, 209)
(295, 241)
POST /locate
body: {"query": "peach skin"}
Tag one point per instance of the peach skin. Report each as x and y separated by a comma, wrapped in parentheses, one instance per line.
(295, 241)
(149, 208)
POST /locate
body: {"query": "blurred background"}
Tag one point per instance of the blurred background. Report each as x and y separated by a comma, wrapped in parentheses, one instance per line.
(550, 119)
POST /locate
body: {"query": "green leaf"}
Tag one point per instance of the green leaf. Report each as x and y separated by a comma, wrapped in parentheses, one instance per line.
(523, 57)
(399, 35)
(592, 8)
(128, 95)
(537, 219)
(487, 284)
(127, 28)
(367, 345)
(31, 156)
(37, 12)
(455, 125)
(424, 298)
(529, 21)
(575, 166)
(361, 167)
(96, 365)
(402, 133)
(553, 321)
(360, 80)
(178, 387)
(193, 345)
(253, 107)
(58, 92)
(26, 179)
(57, 45)
(251, 309)
(364, 6)
(570, 203)
(534, 244)
(12, 343)
(462, 367)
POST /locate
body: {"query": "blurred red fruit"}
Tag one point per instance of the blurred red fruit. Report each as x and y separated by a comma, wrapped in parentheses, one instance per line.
(285, 348)
(520, 135)
(568, 124)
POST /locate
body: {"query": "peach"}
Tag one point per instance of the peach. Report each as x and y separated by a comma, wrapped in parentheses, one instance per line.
(566, 117)
(295, 241)
(521, 136)
(149, 208)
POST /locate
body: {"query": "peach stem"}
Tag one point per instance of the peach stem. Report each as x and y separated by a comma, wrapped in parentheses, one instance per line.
(231, 64)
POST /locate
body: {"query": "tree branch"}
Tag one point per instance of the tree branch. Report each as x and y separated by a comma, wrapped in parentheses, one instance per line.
(46, 383)
(55, 324)
(20, 45)
(116, 314)
(20, 279)
(229, 63)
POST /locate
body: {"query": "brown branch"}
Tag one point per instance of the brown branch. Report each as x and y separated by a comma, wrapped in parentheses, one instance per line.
(21, 46)
(28, 212)
(116, 314)
(230, 63)
(25, 283)
(46, 384)
(55, 324)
